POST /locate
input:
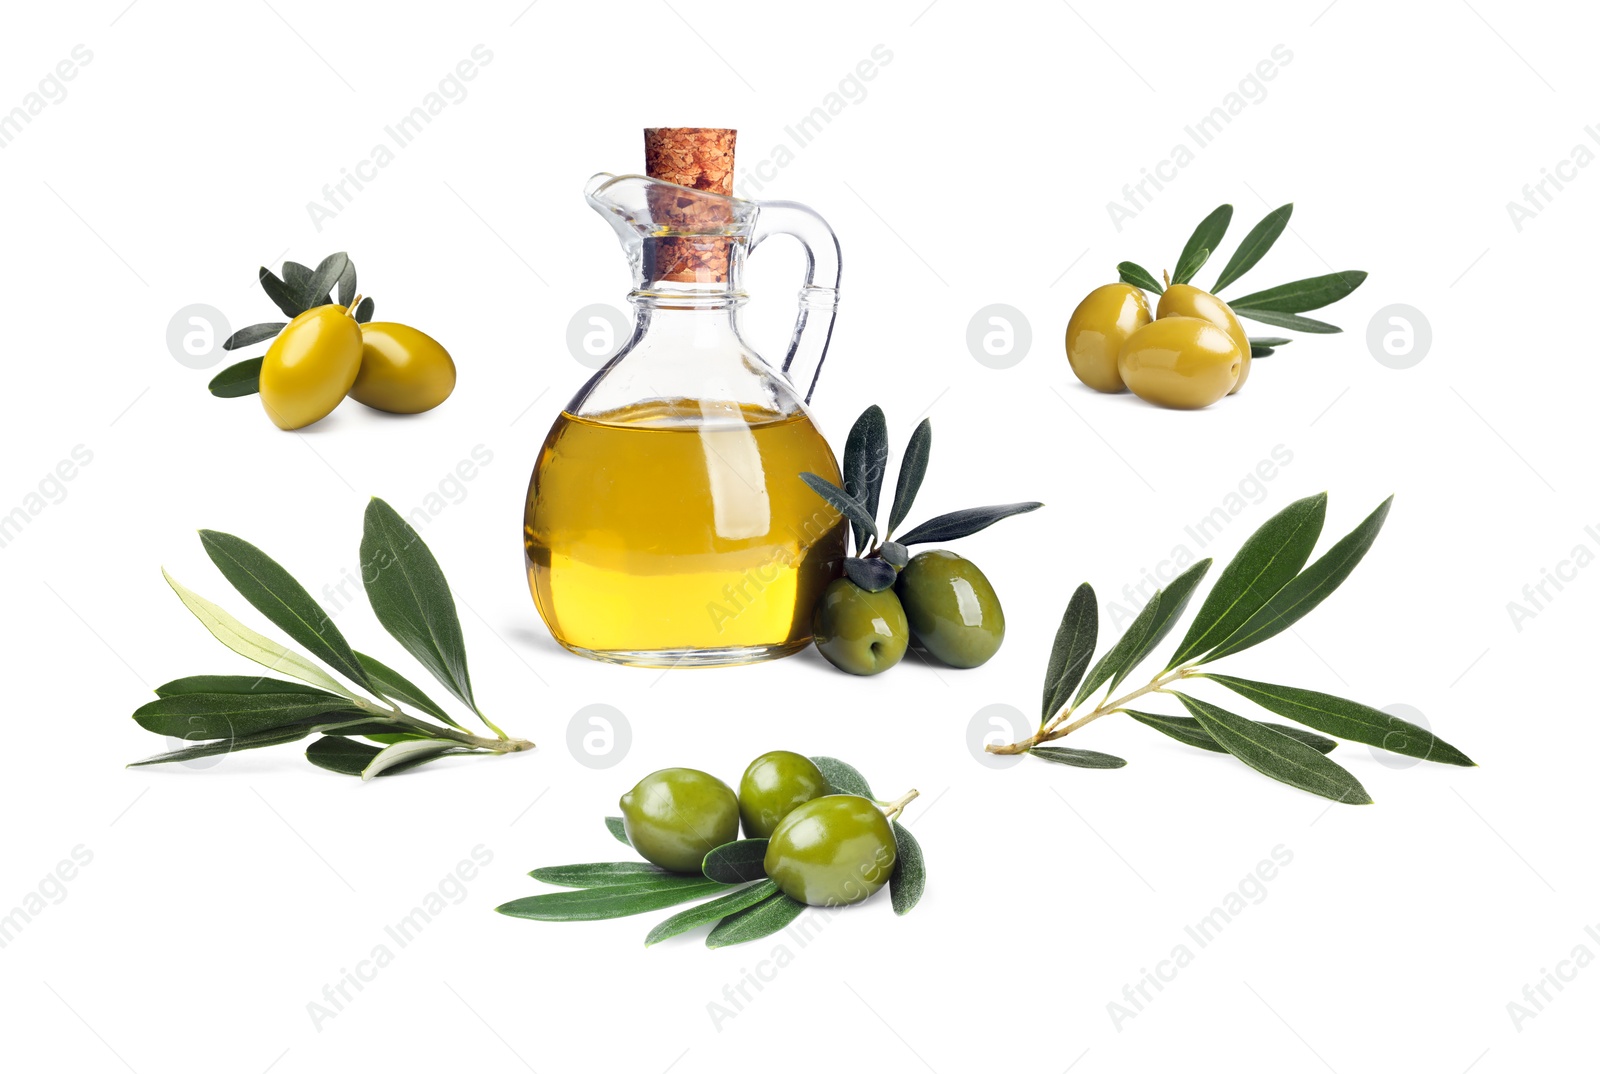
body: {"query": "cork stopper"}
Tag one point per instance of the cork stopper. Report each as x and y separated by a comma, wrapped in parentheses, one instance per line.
(701, 158)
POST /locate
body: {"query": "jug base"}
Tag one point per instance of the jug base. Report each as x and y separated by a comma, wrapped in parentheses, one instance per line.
(692, 658)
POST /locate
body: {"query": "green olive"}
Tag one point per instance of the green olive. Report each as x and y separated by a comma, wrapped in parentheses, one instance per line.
(832, 851)
(1182, 300)
(774, 784)
(403, 371)
(857, 631)
(310, 366)
(676, 816)
(1097, 329)
(952, 608)
(1180, 362)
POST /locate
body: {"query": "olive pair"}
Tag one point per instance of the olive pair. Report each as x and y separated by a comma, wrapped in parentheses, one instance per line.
(324, 354)
(940, 598)
(1190, 355)
(822, 849)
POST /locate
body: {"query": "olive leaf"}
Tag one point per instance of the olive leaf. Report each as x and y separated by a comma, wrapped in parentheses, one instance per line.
(1264, 564)
(1307, 589)
(282, 295)
(1301, 296)
(965, 522)
(1270, 341)
(618, 829)
(910, 876)
(1275, 754)
(295, 275)
(866, 460)
(347, 283)
(894, 553)
(1073, 647)
(1076, 758)
(1139, 277)
(599, 874)
(255, 333)
(736, 862)
(251, 645)
(1207, 236)
(350, 758)
(1254, 246)
(240, 379)
(913, 468)
(1122, 652)
(602, 903)
(1187, 729)
(1288, 320)
(1154, 621)
(1257, 351)
(772, 914)
(230, 706)
(408, 751)
(708, 912)
(275, 594)
(364, 310)
(1346, 719)
(412, 600)
(873, 575)
(276, 737)
(317, 289)
(842, 778)
(848, 505)
(391, 684)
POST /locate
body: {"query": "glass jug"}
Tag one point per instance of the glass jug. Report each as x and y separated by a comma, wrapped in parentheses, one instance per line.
(666, 523)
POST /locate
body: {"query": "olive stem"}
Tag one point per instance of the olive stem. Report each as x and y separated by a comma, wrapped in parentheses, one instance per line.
(503, 744)
(896, 807)
(1062, 724)
(350, 310)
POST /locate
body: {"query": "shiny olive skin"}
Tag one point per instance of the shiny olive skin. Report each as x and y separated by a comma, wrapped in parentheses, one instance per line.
(773, 785)
(831, 851)
(857, 631)
(310, 366)
(403, 371)
(1097, 329)
(951, 607)
(1180, 362)
(676, 816)
(1182, 300)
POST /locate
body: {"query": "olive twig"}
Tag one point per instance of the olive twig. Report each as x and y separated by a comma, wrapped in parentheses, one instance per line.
(1062, 724)
(893, 809)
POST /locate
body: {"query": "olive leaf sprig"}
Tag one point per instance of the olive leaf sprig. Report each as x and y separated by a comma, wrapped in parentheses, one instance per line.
(409, 595)
(1263, 591)
(744, 903)
(1279, 306)
(866, 461)
(299, 289)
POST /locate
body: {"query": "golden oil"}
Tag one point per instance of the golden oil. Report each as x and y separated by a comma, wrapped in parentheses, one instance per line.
(678, 532)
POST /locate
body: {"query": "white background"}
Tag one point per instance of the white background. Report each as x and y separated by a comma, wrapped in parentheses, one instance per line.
(975, 170)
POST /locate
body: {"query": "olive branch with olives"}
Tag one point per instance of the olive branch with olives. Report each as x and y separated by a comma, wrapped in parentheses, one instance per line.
(815, 836)
(882, 559)
(1263, 591)
(221, 714)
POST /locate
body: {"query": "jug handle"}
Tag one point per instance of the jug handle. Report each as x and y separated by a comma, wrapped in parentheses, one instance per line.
(819, 294)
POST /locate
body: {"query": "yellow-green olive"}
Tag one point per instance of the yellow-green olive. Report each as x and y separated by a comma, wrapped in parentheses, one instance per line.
(1097, 329)
(1182, 300)
(403, 371)
(1180, 362)
(310, 366)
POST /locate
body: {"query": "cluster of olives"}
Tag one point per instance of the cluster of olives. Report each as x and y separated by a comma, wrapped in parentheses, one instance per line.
(823, 849)
(325, 354)
(1190, 354)
(940, 599)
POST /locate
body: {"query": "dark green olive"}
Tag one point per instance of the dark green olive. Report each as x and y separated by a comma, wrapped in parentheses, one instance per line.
(676, 816)
(860, 632)
(773, 785)
(832, 851)
(952, 608)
